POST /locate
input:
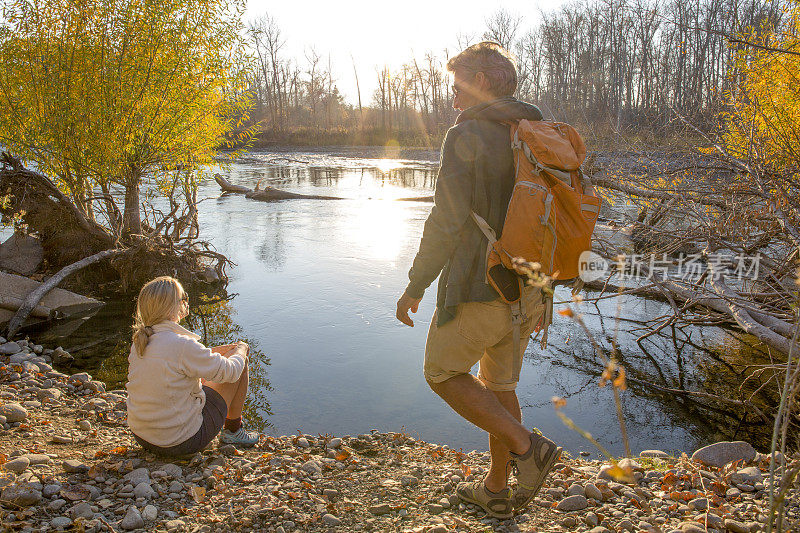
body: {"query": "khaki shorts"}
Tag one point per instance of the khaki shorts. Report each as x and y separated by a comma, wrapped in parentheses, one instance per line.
(482, 331)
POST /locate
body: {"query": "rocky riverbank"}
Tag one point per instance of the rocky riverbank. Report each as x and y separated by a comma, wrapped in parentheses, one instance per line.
(69, 463)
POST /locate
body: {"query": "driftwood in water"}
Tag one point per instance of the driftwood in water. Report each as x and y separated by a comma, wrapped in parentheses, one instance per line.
(33, 299)
(227, 186)
(268, 194)
(416, 199)
(271, 194)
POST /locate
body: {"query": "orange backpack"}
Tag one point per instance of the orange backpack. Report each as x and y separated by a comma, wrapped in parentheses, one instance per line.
(551, 214)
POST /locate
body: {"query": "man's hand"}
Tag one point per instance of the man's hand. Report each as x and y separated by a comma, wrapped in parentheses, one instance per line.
(405, 303)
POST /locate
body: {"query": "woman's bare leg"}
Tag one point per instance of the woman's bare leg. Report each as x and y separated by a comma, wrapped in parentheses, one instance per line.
(233, 393)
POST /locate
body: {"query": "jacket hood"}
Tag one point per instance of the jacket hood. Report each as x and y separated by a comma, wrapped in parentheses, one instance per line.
(500, 110)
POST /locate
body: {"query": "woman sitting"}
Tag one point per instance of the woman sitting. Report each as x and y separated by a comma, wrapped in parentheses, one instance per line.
(180, 393)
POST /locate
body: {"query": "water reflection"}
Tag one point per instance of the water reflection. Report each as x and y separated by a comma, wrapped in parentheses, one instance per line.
(213, 320)
(661, 369)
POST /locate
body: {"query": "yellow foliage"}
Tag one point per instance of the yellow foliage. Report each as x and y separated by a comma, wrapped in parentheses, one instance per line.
(97, 92)
(763, 123)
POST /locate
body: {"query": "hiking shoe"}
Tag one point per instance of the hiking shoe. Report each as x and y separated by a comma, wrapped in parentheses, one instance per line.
(496, 504)
(240, 437)
(532, 469)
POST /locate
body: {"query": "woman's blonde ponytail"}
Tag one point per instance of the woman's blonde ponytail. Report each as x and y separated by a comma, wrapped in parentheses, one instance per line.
(159, 300)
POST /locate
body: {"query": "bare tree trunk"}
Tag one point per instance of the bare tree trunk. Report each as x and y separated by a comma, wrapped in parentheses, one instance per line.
(131, 215)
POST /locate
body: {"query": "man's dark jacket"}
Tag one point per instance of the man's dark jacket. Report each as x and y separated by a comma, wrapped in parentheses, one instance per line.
(476, 173)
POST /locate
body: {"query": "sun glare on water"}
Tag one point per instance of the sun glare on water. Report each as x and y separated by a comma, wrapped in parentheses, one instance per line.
(379, 228)
(387, 165)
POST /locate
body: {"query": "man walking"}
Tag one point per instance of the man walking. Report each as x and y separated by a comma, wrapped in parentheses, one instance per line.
(471, 324)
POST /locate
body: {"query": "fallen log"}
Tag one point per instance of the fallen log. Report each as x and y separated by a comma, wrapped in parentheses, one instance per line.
(12, 303)
(416, 199)
(267, 194)
(33, 299)
(271, 194)
(227, 186)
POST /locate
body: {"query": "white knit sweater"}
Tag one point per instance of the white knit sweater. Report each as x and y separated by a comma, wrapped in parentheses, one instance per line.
(165, 394)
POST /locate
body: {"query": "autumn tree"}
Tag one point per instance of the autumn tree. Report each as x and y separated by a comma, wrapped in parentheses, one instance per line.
(117, 96)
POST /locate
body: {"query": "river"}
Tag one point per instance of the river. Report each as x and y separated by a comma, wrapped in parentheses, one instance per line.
(316, 282)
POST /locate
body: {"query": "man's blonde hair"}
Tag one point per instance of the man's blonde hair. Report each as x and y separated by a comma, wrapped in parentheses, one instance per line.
(496, 63)
(159, 300)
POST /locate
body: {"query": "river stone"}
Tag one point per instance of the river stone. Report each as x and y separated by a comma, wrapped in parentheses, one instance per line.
(573, 503)
(172, 470)
(60, 522)
(626, 524)
(17, 465)
(10, 348)
(19, 358)
(654, 453)
(379, 508)
(736, 527)
(149, 513)
(51, 490)
(591, 491)
(750, 476)
(49, 394)
(13, 412)
(692, 527)
(132, 520)
(330, 520)
(137, 476)
(80, 377)
(699, 504)
(722, 453)
(73, 466)
(312, 467)
(576, 488)
(38, 458)
(81, 510)
(21, 494)
(144, 490)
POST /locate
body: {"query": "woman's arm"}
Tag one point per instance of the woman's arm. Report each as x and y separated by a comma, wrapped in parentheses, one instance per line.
(209, 365)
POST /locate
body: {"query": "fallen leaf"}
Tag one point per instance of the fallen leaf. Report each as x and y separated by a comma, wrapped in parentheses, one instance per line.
(623, 475)
(198, 494)
(342, 455)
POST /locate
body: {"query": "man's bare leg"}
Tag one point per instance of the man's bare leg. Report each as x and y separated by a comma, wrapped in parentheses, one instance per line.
(497, 477)
(470, 398)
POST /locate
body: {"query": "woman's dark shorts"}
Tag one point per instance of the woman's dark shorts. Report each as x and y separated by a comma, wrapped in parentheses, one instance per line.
(214, 412)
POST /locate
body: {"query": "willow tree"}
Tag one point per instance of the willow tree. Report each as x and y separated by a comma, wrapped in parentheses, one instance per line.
(108, 98)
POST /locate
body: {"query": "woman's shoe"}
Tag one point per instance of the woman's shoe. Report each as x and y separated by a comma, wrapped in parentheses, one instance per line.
(240, 437)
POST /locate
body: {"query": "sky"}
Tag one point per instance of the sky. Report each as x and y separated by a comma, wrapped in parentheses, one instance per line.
(380, 33)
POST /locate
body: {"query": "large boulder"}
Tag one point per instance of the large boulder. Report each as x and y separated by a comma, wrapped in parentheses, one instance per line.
(21, 253)
(722, 453)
